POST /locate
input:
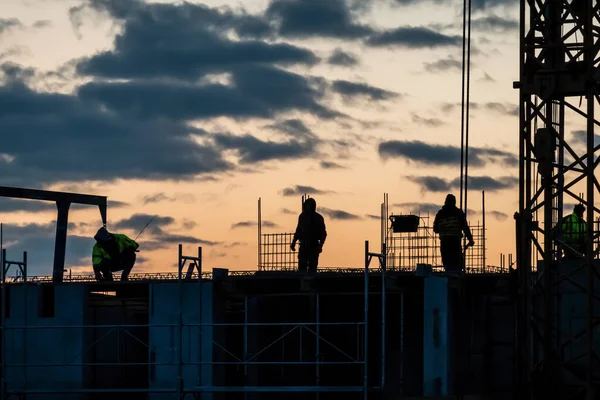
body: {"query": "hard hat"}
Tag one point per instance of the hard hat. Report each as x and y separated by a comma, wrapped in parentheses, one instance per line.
(102, 235)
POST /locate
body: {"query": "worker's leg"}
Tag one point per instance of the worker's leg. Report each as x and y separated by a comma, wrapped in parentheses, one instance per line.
(313, 261)
(451, 254)
(128, 262)
(97, 273)
(302, 259)
(107, 275)
(445, 253)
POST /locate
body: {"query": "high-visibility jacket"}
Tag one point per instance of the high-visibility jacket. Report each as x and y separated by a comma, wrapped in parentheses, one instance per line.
(99, 255)
(574, 229)
(450, 222)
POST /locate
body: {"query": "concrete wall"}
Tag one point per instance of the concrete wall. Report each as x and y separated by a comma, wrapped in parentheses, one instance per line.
(164, 341)
(435, 337)
(59, 346)
(573, 316)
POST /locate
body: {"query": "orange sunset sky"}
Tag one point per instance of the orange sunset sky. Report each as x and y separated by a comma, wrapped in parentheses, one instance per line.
(192, 111)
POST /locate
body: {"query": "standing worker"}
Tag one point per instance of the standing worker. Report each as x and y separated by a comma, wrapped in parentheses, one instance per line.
(113, 252)
(311, 233)
(450, 223)
(574, 233)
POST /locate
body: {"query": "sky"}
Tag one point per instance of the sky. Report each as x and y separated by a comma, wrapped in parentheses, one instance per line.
(190, 112)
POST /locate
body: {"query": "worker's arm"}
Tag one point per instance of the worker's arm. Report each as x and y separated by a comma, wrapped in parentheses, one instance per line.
(297, 233)
(323, 233)
(467, 230)
(436, 223)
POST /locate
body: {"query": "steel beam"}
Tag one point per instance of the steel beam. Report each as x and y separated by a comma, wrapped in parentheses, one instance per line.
(63, 201)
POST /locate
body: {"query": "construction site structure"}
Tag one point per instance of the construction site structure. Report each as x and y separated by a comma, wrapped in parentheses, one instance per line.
(558, 308)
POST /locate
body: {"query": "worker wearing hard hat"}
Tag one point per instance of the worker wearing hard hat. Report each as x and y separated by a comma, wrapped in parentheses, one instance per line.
(113, 252)
(450, 223)
(574, 233)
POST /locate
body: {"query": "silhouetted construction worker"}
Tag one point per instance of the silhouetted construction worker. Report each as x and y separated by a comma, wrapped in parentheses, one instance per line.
(311, 233)
(574, 233)
(450, 223)
(113, 252)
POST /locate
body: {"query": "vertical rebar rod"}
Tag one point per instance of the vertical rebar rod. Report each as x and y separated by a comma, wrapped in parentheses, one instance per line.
(468, 99)
(462, 100)
(483, 228)
(401, 343)
(366, 326)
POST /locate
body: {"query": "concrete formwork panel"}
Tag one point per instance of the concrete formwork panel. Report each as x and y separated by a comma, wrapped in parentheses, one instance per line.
(190, 370)
(48, 311)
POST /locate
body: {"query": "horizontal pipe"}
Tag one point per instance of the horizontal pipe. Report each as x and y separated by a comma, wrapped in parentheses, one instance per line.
(208, 389)
(291, 324)
(140, 364)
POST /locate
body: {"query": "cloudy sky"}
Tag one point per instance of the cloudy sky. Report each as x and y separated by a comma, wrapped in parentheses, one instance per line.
(192, 111)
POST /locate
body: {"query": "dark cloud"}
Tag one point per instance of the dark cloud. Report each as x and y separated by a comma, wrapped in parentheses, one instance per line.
(487, 183)
(501, 108)
(137, 222)
(443, 155)
(155, 236)
(287, 211)
(163, 197)
(155, 42)
(486, 78)
(234, 244)
(443, 65)
(330, 165)
(579, 137)
(9, 23)
(338, 214)
(41, 24)
(300, 190)
(8, 205)
(251, 224)
(351, 90)
(60, 138)
(499, 215)
(250, 149)
(418, 208)
(257, 91)
(300, 18)
(431, 121)
(38, 240)
(477, 5)
(372, 216)
(189, 224)
(414, 37)
(342, 58)
(495, 23)
(293, 127)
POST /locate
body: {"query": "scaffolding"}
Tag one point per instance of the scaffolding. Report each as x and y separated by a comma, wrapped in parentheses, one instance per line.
(405, 251)
(111, 348)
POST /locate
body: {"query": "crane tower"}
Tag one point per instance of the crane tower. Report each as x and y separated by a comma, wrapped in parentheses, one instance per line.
(559, 310)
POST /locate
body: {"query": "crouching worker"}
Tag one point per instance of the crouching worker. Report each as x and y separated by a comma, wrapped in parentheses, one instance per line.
(113, 252)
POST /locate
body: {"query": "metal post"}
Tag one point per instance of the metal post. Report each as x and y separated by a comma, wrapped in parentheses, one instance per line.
(383, 316)
(483, 227)
(366, 326)
(318, 329)
(199, 262)
(259, 235)
(402, 344)
(62, 222)
(180, 321)
(3, 279)
(245, 339)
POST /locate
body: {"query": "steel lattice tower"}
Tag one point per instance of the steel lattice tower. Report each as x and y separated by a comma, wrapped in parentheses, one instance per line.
(558, 92)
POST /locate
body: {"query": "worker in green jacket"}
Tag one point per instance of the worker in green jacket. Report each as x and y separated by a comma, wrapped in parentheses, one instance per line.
(113, 252)
(574, 233)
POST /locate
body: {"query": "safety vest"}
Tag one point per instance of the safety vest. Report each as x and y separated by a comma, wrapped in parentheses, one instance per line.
(573, 229)
(124, 243)
(450, 225)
